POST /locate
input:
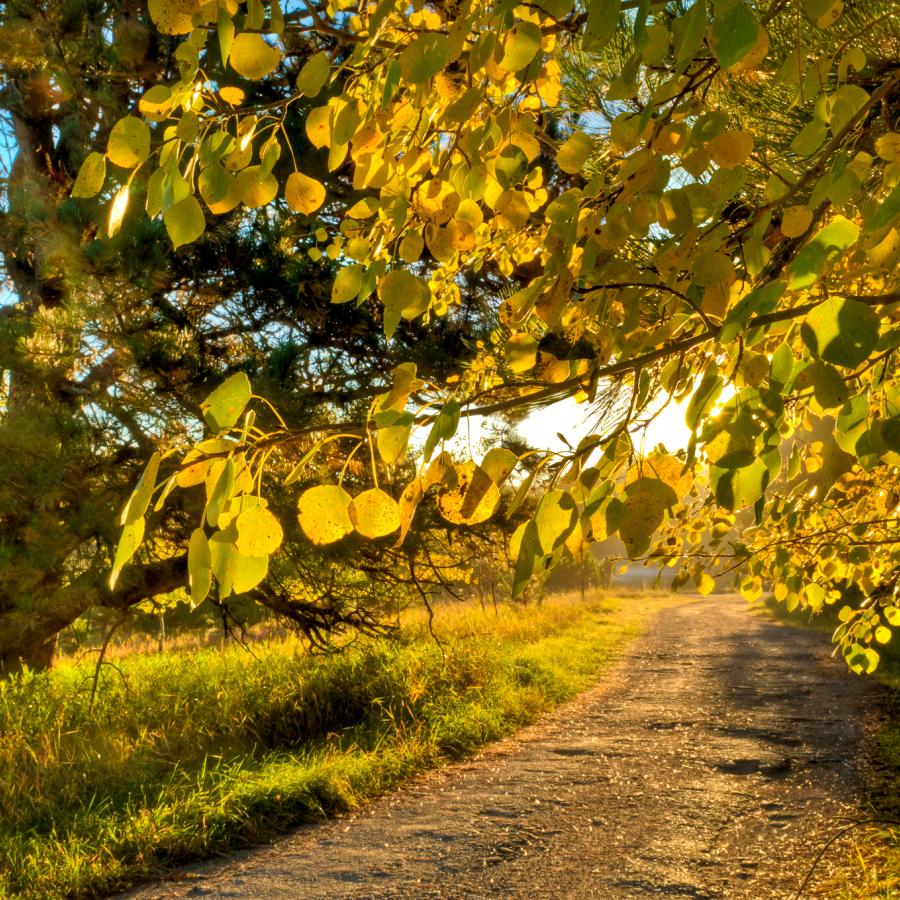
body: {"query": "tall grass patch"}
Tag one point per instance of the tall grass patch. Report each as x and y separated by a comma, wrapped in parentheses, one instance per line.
(184, 755)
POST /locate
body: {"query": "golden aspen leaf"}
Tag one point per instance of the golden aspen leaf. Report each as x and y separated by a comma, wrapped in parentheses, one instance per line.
(218, 189)
(137, 504)
(751, 588)
(347, 284)
(888, 146)
(796, 221)
(409, 503)
(669, 470)
(730, 148)
(436, 201)
(498, 462)
(156, 103)
(404, 293)
(473, 500)
(323, 514)
(252, 57)
(574, 153)
(374, 514)
(318, 126)
(521, 353)
(129, 142)
(512, 209)
(706, 584)
(303, 194)
(117, 211)
(258, 532)
(254, 187)
(173, 16)
(91, 176)
(233, 96)
(411, 246)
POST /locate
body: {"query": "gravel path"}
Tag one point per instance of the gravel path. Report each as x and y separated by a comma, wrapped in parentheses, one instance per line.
(713, 761)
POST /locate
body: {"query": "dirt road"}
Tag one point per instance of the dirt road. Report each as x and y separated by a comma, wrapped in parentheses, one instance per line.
(713, 762)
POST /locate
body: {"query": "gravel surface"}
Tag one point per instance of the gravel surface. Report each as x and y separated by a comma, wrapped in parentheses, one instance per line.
(713, 761)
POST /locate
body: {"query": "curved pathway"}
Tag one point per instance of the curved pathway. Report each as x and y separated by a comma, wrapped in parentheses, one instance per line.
(713, 761)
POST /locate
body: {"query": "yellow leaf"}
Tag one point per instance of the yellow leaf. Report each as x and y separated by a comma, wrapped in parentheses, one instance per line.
(706, 584)
(323, 514)
(117, 211)
(232, 95)
(258, 532)
(91, 176)
(574, 153)
(374, 514)
(254, 187)
(474, 499)
(796, 221)
(318, 126)
(129, 142)
(303, 194)
(252, 57)
(173, 16)
(731, 148)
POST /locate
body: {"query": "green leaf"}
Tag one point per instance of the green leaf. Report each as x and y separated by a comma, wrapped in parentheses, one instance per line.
(130, 540)
(323, 513)
(314, 74)
(600, 26)
(347, 284)
(374, 514)
(252, 57)
(143, 493)
(733, 35)
(422, 59)
(91, 176)
(520, 46)
(234, 572)
(225, 31)
(703, 397)
(886, 214)
(223, 407)
(199, 567)
(841, 331)
(394, 429)
(688, 32)
(528, 556)
(826, 245)
(555, 518)
(738, 488)
(444, 427)
(845, 103)
(185, 221)
(129, 142)
(258, 532)
(829, 387)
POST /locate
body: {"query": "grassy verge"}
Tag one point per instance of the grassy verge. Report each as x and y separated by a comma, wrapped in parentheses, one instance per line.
(184, 755)
(873, 864)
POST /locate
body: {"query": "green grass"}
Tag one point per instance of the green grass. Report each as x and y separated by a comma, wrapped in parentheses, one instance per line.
(185, 755)
(873, 865)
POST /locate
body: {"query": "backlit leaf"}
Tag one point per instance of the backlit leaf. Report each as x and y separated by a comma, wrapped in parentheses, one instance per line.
(252, 57)
(323, 513)
(258, 532)
(224, 406)
(129, 142)
(303, 194)
(185, 221)
(91, 176)
(374, 514)
(841, 331)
